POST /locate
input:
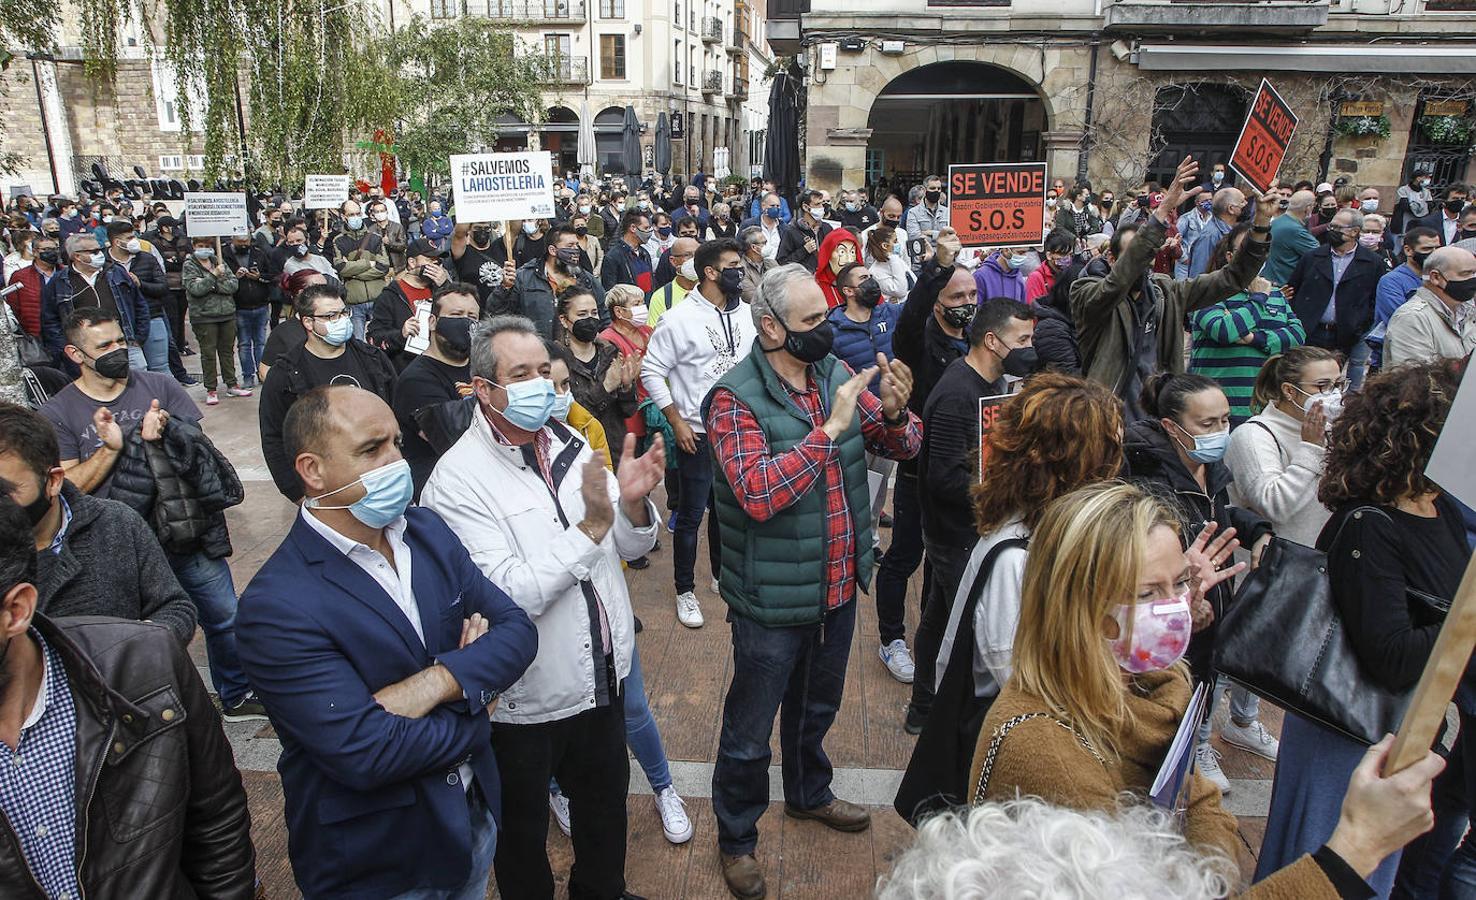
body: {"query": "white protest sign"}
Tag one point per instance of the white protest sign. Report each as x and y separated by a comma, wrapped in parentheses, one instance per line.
(215, 214)
(495, 187)
(325, 191)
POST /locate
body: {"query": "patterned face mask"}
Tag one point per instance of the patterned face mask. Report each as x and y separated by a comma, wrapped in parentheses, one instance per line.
(1159, 635)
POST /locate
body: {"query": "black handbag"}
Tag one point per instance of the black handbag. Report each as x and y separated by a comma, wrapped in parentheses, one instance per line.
(1283, 639)
(937, 775)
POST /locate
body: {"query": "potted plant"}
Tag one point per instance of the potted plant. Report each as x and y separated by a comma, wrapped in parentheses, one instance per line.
(1446, 129)
(1362, 126)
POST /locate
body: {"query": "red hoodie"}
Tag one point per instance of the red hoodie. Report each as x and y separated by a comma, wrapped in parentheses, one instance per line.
(823, 275)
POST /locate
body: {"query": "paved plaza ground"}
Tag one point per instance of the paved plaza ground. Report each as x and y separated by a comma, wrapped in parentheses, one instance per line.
(686, 673)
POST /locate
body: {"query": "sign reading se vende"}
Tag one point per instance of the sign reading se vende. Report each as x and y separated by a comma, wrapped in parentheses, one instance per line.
(1264, 138)
(997, 204)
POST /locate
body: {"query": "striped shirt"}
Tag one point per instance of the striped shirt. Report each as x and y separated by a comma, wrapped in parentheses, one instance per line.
(1216, 332)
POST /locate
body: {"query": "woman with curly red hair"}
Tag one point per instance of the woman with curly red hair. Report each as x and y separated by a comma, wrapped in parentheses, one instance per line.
(1395, 542)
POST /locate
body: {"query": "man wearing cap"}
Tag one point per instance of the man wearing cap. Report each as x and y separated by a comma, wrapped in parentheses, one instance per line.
(394, 320)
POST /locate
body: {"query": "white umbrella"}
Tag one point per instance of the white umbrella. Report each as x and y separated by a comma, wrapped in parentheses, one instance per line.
(588, 155)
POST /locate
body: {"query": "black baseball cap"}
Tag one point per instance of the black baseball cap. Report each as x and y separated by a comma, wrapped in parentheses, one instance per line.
(423, 247)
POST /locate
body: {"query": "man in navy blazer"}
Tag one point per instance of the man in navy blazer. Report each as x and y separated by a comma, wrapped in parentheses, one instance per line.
(1334, 287)
(378, 648)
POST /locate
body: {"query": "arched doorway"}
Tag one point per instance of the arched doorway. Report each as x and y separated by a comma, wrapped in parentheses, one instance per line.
(607, 126)
(559, 134)
(951, 112)
(1202, 120)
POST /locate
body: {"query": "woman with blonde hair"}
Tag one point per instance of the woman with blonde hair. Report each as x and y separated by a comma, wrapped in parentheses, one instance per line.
(1099, 687)
(1059, 433)
(1107, 604)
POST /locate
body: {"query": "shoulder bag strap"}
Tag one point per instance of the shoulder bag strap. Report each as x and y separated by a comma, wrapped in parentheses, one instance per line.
(1267, 428)
(971, 601)
(1003, 730)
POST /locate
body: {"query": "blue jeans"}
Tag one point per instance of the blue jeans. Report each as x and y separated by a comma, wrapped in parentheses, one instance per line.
(641, 734)
(156, 348)
(1358, 359)
(484, 848)
(361, 313)
(251, 335)
(694, 474)
(208, 582)
(136, 360)
(798, 672)
(1245, 707)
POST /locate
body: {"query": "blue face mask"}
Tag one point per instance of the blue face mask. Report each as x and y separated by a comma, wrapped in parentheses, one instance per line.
(387, 491)
(529, 403)
(562, 402)
(354, 223)
(1018, 260)
(339, 332)
(772, 212)
(1208, 448)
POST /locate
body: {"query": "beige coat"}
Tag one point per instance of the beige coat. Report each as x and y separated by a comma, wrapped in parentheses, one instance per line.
(1424, 330)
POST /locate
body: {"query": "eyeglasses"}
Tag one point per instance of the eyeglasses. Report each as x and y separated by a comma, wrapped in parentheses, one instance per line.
(1322, 387)
(331, 317)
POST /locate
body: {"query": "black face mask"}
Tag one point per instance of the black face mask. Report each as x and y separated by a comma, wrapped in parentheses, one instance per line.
(1455, 206)
(581, 230)
(1020, 362)
(585, 330)
(1468, 233)
(868, 292)
(808, 346)
(480, 236)
(892, 223)
(113, 364)
(300, 250)
(37, 509)
(1461, 291)
(455, 335)
(1419, 259)
(569, 257)
(50, 257)
(1329, 211)
(959, 316)
(933, 196)
(730, 282)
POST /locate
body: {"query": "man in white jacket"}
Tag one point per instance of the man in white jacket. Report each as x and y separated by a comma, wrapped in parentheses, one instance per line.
(694, 345)
(544, 521)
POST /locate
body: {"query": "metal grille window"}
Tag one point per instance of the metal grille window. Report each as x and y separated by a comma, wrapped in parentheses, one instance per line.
(612, 9)
(444, 9)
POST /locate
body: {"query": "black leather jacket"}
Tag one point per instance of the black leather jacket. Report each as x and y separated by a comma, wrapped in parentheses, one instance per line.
(161, 812)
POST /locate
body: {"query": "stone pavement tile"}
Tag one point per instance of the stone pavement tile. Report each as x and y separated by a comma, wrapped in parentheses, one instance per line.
(269, 833)
(685, 685)
(821, 862)
(1253, 831)
(704, 872)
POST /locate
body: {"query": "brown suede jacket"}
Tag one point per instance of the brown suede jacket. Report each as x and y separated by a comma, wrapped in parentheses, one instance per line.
(1043, 757)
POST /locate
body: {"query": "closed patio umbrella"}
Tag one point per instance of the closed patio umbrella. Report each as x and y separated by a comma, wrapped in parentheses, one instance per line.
(630, 142)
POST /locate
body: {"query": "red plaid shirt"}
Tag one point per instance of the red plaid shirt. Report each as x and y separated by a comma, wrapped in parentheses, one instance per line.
(768, 483)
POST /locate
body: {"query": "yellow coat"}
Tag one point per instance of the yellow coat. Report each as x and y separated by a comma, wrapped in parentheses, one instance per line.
(586, 424)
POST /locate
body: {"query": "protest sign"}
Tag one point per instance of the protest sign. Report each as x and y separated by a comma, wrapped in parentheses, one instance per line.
(495, 187)
(1450, 467)
(21, 190)
(325, 191)
(998, 204)
(1264, 138)
(215, 214)
(988, 412)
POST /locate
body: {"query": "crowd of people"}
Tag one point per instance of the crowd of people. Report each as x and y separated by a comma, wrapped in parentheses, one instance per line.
(473, 420)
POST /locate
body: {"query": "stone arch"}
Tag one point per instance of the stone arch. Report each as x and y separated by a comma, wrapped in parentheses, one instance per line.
(839, 108)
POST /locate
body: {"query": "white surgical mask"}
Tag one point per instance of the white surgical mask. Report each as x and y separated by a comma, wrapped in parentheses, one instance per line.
(688, 270)
(638, 314)
(1369, 205)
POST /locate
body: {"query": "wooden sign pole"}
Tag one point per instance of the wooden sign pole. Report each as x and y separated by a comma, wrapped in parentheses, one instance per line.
(507, 240)
(1439, 680)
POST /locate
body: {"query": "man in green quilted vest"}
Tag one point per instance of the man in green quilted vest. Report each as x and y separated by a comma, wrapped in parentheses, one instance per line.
(790, 427)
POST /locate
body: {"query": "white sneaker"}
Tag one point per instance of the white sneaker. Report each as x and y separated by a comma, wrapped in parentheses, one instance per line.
(674, 822)
(715, 588)
(559, 805)
(689, 611)
(1253, 737)
(898, 660)
(1207, 760)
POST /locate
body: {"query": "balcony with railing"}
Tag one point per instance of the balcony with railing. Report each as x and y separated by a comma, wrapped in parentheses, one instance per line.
(1166, 16)
(712, 82)
(529, 12)
(739, 90)
(561, 68)
(712, 30)
(782, 24)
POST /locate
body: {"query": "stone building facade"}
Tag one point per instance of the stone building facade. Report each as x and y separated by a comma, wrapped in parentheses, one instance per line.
(1119, 90)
